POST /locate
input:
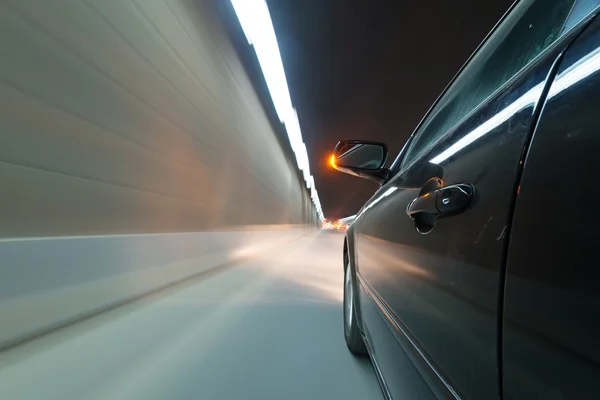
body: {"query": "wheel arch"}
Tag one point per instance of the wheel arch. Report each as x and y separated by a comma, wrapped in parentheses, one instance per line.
(349, 248)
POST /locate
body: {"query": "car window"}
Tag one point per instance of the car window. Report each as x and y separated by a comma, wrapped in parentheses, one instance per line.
(580, 10)
(530, 28)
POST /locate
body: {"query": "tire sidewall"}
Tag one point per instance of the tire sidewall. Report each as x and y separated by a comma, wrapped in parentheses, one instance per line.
(348, 327)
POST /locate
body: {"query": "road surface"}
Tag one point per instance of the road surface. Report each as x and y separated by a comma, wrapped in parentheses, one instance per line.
(267, 328)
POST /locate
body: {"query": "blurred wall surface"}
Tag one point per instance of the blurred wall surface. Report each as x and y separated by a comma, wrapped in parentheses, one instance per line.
(134, 152)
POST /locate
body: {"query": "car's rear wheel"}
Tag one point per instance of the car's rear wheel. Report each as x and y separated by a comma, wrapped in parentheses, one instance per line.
(354, 339)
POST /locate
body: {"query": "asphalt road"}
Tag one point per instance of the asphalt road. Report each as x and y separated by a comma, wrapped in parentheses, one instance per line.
(267, 328)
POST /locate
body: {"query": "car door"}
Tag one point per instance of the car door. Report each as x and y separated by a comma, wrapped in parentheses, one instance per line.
(435, 276)
(551, 325)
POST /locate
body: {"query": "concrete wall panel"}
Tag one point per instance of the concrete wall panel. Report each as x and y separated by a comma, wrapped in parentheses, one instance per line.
(123, 125)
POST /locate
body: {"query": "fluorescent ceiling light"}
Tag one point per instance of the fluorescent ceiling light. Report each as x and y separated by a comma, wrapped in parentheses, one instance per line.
(256, 23)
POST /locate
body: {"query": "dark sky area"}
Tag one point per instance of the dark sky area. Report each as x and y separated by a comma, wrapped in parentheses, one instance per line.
(370, 69)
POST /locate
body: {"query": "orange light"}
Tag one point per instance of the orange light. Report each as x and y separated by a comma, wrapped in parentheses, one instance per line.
(332, 161)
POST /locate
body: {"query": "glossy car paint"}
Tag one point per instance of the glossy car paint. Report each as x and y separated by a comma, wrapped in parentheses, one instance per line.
(551, 341)
(429, 303)
(441, 289)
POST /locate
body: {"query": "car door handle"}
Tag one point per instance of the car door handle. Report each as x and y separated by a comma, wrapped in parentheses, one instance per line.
(442, 202)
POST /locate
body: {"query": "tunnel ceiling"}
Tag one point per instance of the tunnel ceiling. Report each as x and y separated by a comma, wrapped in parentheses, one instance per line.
(370, 70)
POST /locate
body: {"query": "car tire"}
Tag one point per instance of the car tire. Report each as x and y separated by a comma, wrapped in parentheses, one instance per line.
(354, 339)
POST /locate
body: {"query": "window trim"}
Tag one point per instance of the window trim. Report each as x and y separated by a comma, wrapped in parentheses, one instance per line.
(394, 168)
(564, 35)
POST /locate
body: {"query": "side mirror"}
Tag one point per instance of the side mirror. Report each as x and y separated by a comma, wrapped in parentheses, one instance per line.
(361, 158)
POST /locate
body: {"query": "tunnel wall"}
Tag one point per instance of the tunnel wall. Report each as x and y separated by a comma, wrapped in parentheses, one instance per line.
(124, 125)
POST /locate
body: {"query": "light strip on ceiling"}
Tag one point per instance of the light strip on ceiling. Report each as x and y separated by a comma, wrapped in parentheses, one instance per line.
(256, 23)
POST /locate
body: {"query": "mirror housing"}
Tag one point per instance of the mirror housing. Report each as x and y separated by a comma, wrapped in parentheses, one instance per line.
(362, 158)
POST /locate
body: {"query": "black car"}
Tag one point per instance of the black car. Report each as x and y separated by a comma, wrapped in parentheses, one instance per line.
(474, 270)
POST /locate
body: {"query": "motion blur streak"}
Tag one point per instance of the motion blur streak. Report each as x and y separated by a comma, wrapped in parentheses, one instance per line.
(134, 153)
(266, 329)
